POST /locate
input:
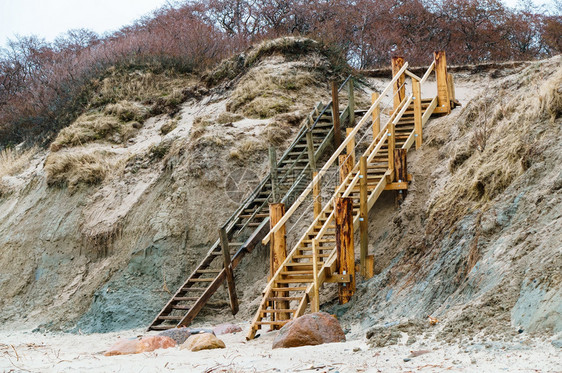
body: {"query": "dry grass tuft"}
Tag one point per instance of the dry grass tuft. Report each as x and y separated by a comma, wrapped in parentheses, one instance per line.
(169, 126)
(76, 168)
(265, 93)
(227, 117)
(247, 148)
(93, 127)
(550, 97)
(127, 111)
(13, 161)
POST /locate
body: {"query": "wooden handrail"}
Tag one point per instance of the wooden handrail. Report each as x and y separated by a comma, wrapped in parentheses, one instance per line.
(333, 158)
(428, 72)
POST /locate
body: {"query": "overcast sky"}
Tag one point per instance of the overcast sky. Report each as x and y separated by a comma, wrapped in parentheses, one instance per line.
(50, 18)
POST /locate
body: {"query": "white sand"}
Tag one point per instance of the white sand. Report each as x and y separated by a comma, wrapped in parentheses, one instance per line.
(36, 352)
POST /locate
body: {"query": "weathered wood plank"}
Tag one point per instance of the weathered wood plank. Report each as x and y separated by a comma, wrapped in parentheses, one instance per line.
(344, 246)
(228, 271)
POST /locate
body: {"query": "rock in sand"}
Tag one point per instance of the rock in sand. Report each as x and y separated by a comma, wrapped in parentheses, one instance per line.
(226, 329)
(309, 330)
(179, 335)
(203, 341)
(136, 346)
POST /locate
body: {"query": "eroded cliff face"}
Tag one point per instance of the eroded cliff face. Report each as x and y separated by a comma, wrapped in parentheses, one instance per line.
(98, 232)
(478, 241)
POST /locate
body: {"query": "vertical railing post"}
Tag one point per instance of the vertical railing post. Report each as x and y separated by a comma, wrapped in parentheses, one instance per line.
(350, 148)
(391, 144)
(443, 99)
(344, 246)
(416, 91)
(278, 253)
(399, 89)
(400, 172)
(351, 102)
(363, 216)
(273, 174)
(376, 115)
(451, 89)
(315, 306)
(316, 190)
(311, 152)
(336, 114)
(345, 167)
(228, 270)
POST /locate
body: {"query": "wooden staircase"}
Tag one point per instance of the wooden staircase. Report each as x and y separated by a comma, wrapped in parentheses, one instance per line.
(249, 224)
(312, 261)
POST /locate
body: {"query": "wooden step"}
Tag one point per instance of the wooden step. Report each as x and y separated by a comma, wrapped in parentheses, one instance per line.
(278, 311)
(282, 299)
(294, 281)
(208, 270)
(287, 289)
(194, 289)
(174, 318)
(201, 280)
(185, 299)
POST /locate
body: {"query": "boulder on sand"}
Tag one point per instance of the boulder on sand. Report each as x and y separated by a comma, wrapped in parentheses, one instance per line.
(309, 330)
(136, 346)
(203, 341)
(179, 335)
(226, 329)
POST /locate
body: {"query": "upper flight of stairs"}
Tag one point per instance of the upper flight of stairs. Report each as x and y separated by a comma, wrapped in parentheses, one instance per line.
(249, 224)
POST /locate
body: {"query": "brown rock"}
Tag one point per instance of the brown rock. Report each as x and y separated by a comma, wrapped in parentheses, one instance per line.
(204, 341)
(309, 330)
(226, 329)
(136, 346)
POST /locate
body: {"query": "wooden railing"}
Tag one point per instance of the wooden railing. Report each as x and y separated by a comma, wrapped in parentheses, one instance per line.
(343, 146)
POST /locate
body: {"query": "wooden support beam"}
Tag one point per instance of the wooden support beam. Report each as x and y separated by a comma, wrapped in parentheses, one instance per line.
(376, 115)
(416, 90)
(311, 152)
(400, 172)
(399, 88)
(344, 246)
(278, 253)
(273, 172)
(336, 114)
(346, 166)
(316, 195)
(228, 270)
(363, 215)
(315, 305)
(443, 99)
(350, 149)
(351, 102)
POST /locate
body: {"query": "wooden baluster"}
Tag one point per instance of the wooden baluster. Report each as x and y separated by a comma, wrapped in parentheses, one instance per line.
(363, 216)
(315, 305)
(278, 254)
(443, 99)
(273, 173)
(350, 149)
(316, 191)
(351, 102)
(336, 115)
(416, 90)
(376, 115)
(399, 89)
